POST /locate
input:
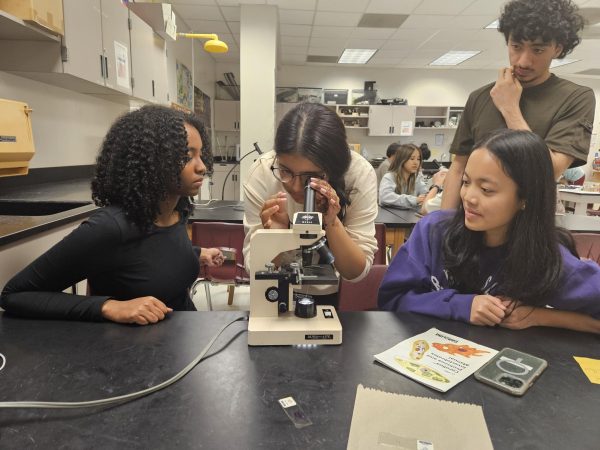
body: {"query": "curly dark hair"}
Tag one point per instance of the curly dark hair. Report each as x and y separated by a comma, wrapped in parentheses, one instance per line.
(549, 20)
(141, 157)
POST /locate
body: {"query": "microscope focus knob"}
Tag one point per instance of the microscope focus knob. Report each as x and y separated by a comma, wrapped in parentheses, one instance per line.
(272, 294)
(305, 308)
(270, 266)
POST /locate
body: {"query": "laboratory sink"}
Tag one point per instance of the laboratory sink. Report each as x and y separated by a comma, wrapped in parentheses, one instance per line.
(36, 208)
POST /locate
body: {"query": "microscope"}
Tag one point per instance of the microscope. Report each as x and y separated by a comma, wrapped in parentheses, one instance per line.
(275, 318)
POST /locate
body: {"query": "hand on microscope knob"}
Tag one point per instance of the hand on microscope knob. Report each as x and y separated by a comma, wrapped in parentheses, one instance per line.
(274, 214)
(328, 202)
(212, 257)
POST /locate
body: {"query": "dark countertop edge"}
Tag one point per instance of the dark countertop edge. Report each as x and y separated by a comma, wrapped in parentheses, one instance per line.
(49, 222)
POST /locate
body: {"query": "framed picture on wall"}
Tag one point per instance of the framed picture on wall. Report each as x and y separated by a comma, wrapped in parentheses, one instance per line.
(185, 87)
(202, 106)
(310, 95)
(335, 96)
(286, 94)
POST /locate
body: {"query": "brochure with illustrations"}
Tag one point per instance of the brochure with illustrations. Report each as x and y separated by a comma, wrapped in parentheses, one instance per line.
(436, 359)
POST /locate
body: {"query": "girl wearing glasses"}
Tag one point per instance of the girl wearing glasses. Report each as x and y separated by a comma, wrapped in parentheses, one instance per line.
(310, 146)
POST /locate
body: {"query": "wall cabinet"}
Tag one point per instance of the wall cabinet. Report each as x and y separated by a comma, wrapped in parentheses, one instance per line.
(148, 62)
(353, 116)
(232, 182)
(98, 53)
(391, 120)
(96, 42)
(227, 115)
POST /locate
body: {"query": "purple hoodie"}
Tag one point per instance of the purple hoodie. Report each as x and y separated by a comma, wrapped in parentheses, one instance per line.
(417, 282)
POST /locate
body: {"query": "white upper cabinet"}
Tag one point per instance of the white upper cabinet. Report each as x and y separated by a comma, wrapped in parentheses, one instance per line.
(391, 120)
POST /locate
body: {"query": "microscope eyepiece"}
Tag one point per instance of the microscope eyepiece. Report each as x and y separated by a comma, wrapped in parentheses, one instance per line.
(309, 197)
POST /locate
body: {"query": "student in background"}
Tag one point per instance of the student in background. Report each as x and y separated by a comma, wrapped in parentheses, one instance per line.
(383, 168)
(526, 96)
(499, 259)
(311, 146)
(434, 203)
(403, 186)
(134, 251)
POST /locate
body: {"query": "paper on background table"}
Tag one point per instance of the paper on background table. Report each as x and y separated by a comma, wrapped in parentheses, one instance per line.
(383, 420)
(591, 368)
(437, 359)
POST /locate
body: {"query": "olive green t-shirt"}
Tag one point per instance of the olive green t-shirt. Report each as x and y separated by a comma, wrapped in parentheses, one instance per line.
(558, 110)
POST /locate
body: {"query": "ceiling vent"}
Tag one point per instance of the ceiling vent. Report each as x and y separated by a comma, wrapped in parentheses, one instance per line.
(382, 20)
(322, 59)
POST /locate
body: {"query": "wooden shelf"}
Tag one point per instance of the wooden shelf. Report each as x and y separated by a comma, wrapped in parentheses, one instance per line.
(14, 29)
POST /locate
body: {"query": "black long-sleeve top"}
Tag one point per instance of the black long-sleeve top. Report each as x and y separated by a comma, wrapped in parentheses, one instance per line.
(119, 261)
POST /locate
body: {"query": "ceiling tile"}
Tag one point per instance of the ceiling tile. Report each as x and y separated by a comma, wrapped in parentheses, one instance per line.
(413, 35)
(295, 16)
(294, 50)
(393, 53)
(325, 51)
(294, 40)
(208, 26)
(442, 7)
(392, 6)
(365, 43)
(198, 12)
(384, 61)
(373, 33)
(293, 59)
(194, 2)
(295, 30)
(294, 4)
(342, 5)
(425, 22)
(483, 7)
(470, 22)
(337, 19)
(336, 32)
(231, 13)
(328, 42)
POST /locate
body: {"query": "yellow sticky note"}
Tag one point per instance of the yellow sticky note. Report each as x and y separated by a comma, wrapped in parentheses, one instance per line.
(591, 368)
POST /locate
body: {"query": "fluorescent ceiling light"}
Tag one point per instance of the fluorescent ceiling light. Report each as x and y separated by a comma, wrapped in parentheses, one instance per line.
(562, 62)
(454, 58)
(494, 24)
(356, 55)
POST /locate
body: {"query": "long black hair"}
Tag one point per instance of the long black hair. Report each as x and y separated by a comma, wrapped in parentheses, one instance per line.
(141, 158)
(533, 263)
(317, 133)
(549, 20)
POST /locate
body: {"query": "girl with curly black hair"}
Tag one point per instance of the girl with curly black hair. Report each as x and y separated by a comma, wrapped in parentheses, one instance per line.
(134, 251)
(499, 259)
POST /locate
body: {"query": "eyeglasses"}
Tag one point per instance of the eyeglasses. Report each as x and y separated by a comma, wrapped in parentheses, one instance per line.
(287, 176)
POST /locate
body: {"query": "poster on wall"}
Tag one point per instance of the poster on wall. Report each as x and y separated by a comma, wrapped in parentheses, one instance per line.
(185, 87)
(122, 65)
(202, 106)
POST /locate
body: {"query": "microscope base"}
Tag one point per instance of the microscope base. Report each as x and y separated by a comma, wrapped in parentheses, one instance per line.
(287, 329)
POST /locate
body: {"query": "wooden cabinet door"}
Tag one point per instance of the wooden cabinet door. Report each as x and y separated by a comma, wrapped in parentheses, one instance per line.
(380, 120)
(142, 58)
(115, 43)
(83, 40)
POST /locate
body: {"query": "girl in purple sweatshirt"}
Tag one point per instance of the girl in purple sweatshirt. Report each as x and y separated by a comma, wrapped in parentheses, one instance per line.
(499, 259)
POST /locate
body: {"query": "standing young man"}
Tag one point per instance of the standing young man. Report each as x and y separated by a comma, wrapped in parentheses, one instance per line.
(526, 96)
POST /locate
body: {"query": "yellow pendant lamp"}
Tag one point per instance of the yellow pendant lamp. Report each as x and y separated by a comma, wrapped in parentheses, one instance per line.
(213, 45)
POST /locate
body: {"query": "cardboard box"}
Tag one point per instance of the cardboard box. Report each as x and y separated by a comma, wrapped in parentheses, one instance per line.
(16, 138)
(47, 14)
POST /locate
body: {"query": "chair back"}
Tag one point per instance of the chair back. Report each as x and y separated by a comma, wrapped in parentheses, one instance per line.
(361, 296)
(380, 254)
(229, 236)
(588, 245)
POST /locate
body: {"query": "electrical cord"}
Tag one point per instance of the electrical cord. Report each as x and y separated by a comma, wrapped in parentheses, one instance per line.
(125, 397)
(256, 149)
